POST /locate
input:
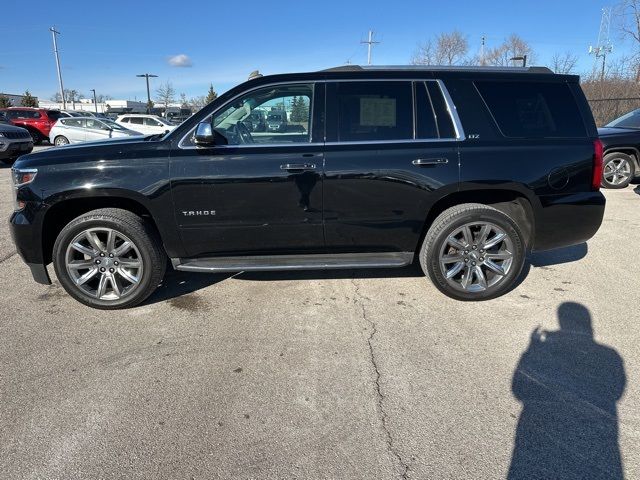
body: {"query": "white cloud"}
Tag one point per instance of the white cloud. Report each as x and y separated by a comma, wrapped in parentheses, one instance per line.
(181, 60)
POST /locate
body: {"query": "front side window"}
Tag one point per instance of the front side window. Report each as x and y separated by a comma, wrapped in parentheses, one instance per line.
(152, 122)
(270, 115)
(374, 111)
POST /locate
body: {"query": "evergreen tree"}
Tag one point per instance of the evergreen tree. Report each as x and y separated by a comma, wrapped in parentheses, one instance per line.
(4, 102)
(299, 110)
(211, 94)
(29, 100)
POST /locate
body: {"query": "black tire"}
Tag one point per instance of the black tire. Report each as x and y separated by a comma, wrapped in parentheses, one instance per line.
(8, 161)
(37, 138)
(61, 140)
(140, 232)
(453, 219)
(623, 161)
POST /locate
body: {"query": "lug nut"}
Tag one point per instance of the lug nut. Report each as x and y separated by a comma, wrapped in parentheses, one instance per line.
(482, 259)
(112, 270)
(103, 269)
(97, 262)
(474, 247)
(473, 263)
(111, 255)
(466, 252)
(116, 263)
(466, 260)
(102, 254)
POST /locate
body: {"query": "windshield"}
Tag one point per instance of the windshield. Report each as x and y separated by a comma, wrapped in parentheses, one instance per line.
(630, 120)
(275, 116)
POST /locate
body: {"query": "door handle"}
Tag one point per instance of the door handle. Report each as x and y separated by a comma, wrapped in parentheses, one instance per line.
(298, 166)
(430, 161)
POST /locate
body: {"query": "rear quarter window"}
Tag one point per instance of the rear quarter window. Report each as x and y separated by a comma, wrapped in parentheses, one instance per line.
(533, 109)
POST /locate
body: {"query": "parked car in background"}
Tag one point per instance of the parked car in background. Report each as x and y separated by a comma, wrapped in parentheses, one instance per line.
(462, 170)
(14, 141)
(277, 121)
(621, 141)
(70, 113)
(147, 124)
(38, 121)
(256, 121)
(86, 129)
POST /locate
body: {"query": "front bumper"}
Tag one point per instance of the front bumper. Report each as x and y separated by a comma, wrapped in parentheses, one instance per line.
(27, 238)
(566, 220)
(14, 149)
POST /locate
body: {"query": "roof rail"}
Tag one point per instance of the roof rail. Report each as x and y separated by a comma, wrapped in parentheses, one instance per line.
(355, 68)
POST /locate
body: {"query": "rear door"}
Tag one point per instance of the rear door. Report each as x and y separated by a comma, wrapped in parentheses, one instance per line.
(391, 152)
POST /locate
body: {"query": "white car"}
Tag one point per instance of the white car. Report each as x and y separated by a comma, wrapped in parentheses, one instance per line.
(85, 129)
(147, 124)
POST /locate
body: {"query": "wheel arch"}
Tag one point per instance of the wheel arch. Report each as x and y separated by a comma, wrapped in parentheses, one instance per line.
(59, 214)
(513, 203)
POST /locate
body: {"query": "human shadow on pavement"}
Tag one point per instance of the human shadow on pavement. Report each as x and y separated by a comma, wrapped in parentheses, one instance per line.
(569, 386)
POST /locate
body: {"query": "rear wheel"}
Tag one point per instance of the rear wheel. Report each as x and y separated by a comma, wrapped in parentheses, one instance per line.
(618, 170)
(60, 140)
(473, 252)
(109, 258)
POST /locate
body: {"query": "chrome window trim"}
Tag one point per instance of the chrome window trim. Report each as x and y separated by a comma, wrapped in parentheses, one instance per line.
(451, 108)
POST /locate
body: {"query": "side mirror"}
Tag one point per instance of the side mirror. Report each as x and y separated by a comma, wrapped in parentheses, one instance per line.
(204, 134)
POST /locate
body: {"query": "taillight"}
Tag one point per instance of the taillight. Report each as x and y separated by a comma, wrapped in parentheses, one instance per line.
(598, 159)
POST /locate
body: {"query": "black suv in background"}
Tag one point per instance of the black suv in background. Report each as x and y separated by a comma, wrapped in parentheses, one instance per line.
(621, 142)
(461, 169)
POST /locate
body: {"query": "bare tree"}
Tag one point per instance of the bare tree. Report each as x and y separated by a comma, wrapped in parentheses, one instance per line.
(513, 46)
(183, 100)
(448, 49)
(630, 27)
(196, 103)
(564, 63)
(166, 94)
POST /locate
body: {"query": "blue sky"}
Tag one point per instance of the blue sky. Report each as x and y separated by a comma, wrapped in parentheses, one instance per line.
(105, 44)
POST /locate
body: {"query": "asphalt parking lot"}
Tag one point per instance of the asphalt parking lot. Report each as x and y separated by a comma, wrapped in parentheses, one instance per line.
(356, 374)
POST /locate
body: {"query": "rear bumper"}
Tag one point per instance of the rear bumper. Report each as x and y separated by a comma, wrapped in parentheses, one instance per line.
(566, 220)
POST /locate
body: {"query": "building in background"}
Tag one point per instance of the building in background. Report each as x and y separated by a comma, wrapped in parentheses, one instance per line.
(16, 100)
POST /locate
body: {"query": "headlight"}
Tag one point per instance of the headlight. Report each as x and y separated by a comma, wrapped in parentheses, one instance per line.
(21, 176)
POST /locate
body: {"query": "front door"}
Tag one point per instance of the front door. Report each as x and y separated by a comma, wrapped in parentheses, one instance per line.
(391, 152)
(255, 192)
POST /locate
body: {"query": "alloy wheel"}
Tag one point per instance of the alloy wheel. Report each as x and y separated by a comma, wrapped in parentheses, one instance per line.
(104, 263)
(617, 171)
(476, 256)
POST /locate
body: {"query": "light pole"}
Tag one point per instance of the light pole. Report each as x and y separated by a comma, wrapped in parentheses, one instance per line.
(147, 76)
(95, 102)
(54, 32)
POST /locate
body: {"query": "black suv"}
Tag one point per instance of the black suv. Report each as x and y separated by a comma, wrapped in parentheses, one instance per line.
(460, 169)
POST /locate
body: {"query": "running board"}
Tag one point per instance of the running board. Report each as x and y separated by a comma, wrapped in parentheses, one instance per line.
(294, 262)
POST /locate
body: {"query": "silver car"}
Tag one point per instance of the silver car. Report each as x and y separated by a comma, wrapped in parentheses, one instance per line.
(86, 129)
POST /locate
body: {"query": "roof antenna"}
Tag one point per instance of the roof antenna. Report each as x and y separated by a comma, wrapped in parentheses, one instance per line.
(255, 74)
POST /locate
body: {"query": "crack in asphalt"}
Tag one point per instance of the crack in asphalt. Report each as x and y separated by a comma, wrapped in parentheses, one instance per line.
(8, 256)
(384, 417)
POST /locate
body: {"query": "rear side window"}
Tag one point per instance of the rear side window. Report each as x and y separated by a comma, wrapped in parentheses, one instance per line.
(135, 120)
(533, 109)
(54, 114)
(370, 111)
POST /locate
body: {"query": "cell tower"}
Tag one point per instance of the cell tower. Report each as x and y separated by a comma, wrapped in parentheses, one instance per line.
(604, 46)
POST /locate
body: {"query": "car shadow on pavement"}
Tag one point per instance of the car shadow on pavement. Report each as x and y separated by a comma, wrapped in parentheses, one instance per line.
(176, 283)
(637, 189)
(569, 386)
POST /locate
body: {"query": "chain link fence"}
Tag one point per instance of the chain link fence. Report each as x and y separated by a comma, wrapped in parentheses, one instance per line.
(608, 109)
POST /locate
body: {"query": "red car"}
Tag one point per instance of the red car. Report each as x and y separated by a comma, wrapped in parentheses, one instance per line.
(37, 120)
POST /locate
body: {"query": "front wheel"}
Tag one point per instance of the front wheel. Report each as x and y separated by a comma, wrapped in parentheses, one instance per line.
(473, 252)
(617, 171)
(109, 258)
